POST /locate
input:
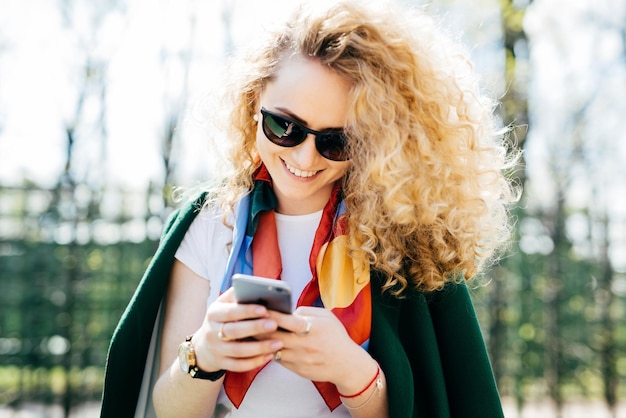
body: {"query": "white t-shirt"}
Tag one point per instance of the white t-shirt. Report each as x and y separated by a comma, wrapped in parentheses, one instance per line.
(276, 391)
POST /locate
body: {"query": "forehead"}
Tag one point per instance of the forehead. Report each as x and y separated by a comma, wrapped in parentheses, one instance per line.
(309, 90)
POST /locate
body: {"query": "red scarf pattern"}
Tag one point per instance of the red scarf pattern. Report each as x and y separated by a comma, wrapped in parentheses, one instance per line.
(337, 283)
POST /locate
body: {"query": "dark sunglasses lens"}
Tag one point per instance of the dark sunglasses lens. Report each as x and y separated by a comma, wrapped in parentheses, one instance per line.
(286, 133)
(282, 131)
(332, 146)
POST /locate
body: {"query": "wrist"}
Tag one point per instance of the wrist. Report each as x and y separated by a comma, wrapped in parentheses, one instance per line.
(188, 362)
(199, 344)
(356, 385)
(362, 398)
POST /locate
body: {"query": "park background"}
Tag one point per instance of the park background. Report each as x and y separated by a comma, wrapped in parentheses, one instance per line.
(102, 113)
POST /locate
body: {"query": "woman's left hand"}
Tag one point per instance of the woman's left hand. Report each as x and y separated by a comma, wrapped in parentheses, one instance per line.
(319, 348)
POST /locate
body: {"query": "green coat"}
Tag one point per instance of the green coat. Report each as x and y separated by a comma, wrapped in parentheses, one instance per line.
(429, 345)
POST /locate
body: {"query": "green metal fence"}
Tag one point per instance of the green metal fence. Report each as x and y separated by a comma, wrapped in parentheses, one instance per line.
(69, 262)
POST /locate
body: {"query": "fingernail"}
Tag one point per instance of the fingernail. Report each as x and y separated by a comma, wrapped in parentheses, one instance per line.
(269, 325)
(260, 310)
(277, 345)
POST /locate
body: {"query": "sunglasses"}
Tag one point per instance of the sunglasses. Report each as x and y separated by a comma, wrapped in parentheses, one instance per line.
(282, 131)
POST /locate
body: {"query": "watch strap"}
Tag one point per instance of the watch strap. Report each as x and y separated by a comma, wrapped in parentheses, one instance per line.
(196, 373)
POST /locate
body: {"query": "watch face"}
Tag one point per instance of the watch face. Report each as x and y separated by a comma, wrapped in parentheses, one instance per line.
(183, 357)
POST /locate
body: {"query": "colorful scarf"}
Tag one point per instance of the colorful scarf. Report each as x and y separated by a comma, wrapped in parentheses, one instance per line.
(336, 283)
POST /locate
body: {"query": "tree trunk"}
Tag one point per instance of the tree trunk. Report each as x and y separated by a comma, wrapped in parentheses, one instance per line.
(552, 305)
(605, 298)
(514, 113)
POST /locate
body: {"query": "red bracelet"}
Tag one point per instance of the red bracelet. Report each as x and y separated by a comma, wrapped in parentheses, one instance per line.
(366, 387)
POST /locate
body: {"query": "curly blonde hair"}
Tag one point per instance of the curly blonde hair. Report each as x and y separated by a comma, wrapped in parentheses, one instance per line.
(426, 194)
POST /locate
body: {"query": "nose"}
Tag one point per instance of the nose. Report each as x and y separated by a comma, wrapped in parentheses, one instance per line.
(306, 153)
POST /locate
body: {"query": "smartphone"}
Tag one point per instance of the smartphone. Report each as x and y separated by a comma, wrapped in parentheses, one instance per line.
(273, 294)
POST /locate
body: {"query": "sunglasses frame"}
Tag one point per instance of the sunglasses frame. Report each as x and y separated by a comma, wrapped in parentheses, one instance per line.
(319, 135)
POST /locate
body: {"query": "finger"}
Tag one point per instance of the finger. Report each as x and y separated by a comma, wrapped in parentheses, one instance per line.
(296, 323)
(297, 362)
(242, 350)
(307, 327)
(228, 300)
(237, 355)
(230, 312)
(286, 322)
(311, 311)
(245, 364)
(227, 296)
(239, 330)
(243, 356)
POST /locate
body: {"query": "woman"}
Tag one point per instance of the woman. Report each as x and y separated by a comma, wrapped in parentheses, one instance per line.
(368, 176)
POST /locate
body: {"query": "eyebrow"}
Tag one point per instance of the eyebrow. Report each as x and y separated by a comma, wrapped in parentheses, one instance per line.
(292, 115)
(296, 118)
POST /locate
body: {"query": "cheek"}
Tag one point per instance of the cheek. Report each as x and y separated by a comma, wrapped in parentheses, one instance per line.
(338, 171)
(342, 168)
(264, 150)
(259, 145)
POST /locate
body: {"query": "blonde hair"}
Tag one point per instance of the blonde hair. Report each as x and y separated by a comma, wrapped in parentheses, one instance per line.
(426, 195)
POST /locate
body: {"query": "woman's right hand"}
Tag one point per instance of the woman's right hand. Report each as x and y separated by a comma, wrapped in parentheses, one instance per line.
(226, 339)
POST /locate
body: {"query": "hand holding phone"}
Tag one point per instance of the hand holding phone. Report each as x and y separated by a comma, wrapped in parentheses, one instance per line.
(273, 294)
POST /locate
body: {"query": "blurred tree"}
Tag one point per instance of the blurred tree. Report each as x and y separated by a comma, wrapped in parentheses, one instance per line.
(607, 174)
(606, 301)
(514, 113)
(553, 299)
(76, 196)
(176, 64)
(573, 122)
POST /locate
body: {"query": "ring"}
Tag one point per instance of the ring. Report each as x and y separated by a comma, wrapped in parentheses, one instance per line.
(278, 355)
(309, 325)
(220, 333)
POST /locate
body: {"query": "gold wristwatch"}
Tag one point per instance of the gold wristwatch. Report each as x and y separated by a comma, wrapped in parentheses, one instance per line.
(187, 361)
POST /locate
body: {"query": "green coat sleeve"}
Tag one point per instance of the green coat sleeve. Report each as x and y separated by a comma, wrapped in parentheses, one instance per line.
(470, 383)
(131, 338)
(432, 351)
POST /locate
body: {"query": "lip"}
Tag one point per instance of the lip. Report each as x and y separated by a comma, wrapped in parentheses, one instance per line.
(298, 174)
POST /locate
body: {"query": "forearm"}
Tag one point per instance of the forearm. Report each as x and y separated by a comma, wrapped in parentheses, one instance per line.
(177, 394)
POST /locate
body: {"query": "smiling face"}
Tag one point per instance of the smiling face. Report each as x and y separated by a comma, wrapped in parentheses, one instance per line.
(308, 92)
